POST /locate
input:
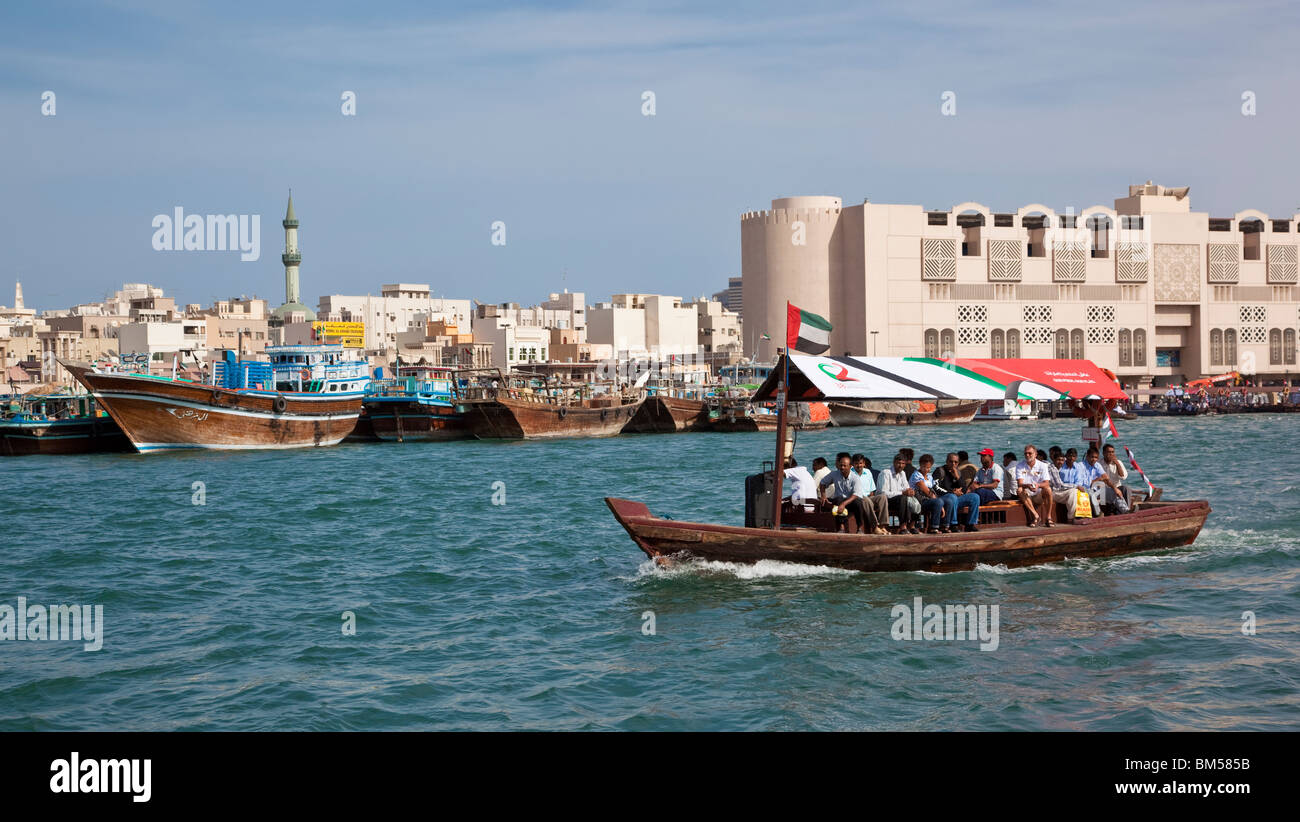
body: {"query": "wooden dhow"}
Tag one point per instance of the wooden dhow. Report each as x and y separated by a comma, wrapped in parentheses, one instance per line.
(419, 405)
(308, 395)
(666, 414)
(58, 424)
(513, 407)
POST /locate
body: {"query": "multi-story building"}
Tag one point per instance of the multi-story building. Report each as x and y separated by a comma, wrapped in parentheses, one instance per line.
(639, 324)
(1149, 288)
(732, 298)
(237, 323)
(400, 308)
(512, 344)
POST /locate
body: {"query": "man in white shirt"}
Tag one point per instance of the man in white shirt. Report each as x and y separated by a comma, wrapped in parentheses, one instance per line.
(1034, 488)
(900, 494)
(876, 503)
(820, 470)
(802, 486)
(988, 478)
(1116, 491)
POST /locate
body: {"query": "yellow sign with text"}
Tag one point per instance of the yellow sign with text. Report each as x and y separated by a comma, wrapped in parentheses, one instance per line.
(349, 335)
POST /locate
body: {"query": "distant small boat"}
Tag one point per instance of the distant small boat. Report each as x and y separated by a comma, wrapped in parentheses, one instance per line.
(904, 412)
(746, 416)
(308, 395)
(58, 424)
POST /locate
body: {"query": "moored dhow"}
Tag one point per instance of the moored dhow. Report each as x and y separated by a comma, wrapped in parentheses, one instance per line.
(909, 412)
(307, 395)
(58, 424)
(520, 407)
(668, 411)
(419, 405)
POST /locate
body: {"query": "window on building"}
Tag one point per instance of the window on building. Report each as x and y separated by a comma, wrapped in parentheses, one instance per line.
(998, 344)
(1288, 346)
(1139, 346)
(947, 343)
(1076, 344)
(1230, 347)
(1125, 348)
(1216, 346)
(1275, 346)
(1062, 344)
(1099, 226)
(1252, 234)
(1013, 343)
(932, 343)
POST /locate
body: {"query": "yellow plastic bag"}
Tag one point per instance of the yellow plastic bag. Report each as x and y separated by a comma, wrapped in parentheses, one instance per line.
(1083, 508)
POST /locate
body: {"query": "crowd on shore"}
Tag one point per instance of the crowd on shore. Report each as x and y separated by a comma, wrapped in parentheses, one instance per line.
(908, 497)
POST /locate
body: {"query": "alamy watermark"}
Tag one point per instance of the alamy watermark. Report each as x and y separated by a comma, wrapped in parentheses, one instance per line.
(946, 623)
(209, 232)
(33, 623)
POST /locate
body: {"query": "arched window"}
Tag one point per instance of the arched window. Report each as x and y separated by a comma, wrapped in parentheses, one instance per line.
(1062, 344)
(1139, 346)
(1216, 346)
(1288, 347)
(1230, 347)
(1013, 343)
(931, 343)
(1125, 348)
(999, 346)
(947, 343)
(1076, 344)
(1275, 346)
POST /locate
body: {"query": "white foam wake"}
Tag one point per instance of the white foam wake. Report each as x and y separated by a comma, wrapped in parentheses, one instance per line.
(763, 569)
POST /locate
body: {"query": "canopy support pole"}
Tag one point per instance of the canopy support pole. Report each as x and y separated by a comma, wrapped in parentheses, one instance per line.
(781, 423)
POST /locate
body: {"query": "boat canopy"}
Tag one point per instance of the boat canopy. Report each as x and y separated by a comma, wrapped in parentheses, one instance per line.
(926, 378)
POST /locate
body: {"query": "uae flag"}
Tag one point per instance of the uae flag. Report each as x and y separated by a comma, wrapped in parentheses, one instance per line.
(806, 331)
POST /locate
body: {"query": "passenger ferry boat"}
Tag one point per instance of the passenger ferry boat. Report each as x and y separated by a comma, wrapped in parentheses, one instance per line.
(307, 395)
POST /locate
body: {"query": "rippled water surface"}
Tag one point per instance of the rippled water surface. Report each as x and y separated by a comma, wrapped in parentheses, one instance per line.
(529, 615)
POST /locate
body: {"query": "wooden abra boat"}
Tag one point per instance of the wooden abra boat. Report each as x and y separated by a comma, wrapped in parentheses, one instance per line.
(308, 395)
(912, 412)
(58, 424)
(747, 416)
(1155, 526)
(791, 533)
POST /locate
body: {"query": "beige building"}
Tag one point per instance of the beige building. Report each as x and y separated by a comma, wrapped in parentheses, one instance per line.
(1149, 288)
(400, 308)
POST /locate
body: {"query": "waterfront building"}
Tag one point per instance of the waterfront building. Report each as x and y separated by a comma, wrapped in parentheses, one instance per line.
(239, 323)
(513, 345)
(732, 297)
(399, 308)
(1149, 288)
(635, 324)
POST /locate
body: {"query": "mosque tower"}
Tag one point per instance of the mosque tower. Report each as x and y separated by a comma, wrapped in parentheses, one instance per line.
(291, 259)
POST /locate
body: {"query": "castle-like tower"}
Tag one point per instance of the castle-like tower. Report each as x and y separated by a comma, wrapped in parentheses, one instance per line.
(291, 259)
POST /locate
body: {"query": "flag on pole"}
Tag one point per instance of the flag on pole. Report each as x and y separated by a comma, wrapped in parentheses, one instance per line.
(1133, 462)
(806, 332)
(1111, 425)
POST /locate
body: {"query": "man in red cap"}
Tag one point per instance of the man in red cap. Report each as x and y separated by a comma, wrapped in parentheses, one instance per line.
(988, 479)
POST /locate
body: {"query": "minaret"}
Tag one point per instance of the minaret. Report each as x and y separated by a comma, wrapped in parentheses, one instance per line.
(18, 295)
(291, 258)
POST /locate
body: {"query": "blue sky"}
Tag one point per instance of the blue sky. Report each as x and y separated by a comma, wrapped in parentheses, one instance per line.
(531, 114)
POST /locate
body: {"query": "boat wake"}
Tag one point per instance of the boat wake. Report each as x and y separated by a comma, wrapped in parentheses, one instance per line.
(763, 569)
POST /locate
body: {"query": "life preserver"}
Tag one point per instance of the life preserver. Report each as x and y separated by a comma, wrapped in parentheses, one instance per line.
(280, 404)
(306, 374)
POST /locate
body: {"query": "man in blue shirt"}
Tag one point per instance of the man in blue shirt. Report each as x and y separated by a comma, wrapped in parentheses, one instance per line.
(875, 500)
(845, 491)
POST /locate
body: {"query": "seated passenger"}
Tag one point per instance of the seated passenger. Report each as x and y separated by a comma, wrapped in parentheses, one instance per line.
(843, 489)
(1033, 488)
(989, 479)
(1063, 493)
(1117, 493)
(900, 494)
(1008, 475)
(966, 468)
(820, 469)
(931, 504)
(875, 502)
(955, 493)
(1093, 479)
(802, 485)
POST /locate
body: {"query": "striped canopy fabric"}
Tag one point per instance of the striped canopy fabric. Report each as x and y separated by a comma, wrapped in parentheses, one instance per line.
(901, 378)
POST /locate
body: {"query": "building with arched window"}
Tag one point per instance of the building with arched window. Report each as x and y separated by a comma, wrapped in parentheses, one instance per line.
(1149, 288)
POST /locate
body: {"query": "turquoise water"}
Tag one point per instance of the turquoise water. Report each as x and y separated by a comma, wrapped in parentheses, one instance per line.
(529, 615)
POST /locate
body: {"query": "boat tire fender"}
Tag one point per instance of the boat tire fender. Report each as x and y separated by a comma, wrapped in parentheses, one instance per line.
(563, 412)
(280, 404)
(215, 399)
